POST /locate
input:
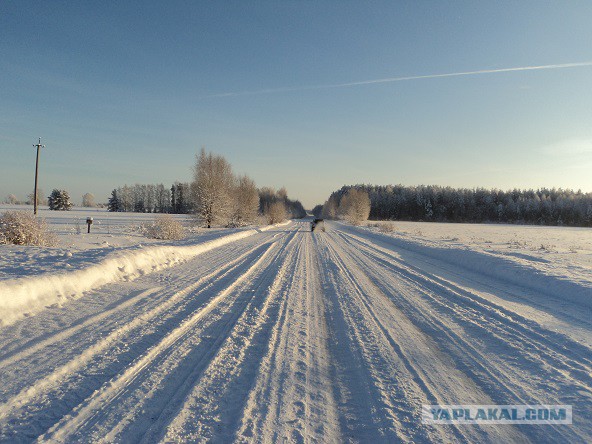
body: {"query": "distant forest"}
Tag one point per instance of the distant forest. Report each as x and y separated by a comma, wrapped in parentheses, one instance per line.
(445, 204)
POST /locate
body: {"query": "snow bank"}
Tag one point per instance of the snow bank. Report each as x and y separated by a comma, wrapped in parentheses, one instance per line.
(25, 296)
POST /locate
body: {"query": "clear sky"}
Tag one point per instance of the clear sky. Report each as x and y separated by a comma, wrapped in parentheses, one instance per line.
(127, 92)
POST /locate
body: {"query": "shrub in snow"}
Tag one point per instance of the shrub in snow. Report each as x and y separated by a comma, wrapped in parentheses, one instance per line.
(23, 228)
(59, 200)
(276, 213)
(165, 227)
(387, 227)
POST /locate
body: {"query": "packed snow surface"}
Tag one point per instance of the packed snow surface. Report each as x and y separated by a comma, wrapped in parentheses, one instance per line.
(291, 336)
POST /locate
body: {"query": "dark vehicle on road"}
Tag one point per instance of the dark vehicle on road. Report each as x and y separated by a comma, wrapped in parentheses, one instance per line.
(317, 224)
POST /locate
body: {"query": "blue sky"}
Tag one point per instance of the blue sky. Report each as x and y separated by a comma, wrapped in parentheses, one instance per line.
(128, 92)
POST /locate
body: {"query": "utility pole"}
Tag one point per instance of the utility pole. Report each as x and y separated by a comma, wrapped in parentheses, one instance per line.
(38, 145)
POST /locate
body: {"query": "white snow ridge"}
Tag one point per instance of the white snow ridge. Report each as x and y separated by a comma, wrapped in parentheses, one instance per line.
(24, 296)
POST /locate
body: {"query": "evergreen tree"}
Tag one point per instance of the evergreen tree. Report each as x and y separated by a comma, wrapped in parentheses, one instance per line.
(59, 200)
(114, 204)
(174, 199)
(182, 196)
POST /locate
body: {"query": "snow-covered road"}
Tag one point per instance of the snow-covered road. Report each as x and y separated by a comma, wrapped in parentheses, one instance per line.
(291, 336)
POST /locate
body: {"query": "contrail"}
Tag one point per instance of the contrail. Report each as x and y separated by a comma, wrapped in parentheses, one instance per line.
(402, 79)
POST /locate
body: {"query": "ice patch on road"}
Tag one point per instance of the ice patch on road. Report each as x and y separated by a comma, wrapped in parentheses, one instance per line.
(26, 296)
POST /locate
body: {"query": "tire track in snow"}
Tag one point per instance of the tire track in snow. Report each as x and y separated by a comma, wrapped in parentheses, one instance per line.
(446, 313)
(424, 374)
(92, 411)
(378, 399)
(292, 399)
(564, 349)
(15, 348)
(25, 351)
(212, 408)
(568, 358)
(59, 381)
(233, 360)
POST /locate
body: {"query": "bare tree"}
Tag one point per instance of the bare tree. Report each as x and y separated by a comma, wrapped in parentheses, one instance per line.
(355, 206)
(88, 200)
(41, 199)
(245, 202)
(282, 193)
(162, 198)
(126, 198)
(11, 199)
(330, 208)
(211, 188)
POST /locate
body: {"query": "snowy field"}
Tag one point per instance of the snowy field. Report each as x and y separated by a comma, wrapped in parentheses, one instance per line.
(279, 334)
(564, 252)
(110, 232)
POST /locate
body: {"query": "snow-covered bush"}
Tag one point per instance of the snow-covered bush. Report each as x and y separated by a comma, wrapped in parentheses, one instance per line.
(387, 227)
(165, 227)
(23, 228)
(59, 200)
(276, 213)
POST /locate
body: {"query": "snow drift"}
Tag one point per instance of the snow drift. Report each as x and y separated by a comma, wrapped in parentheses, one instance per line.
(26, 296)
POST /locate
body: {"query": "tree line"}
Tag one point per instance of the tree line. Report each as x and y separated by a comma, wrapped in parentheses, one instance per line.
(57, 200)
(216, 195)
(274, 203)
(446, 204)
(150, 198)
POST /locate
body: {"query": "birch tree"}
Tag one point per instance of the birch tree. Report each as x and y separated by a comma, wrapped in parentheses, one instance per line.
(211, 189)
(245, 202)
